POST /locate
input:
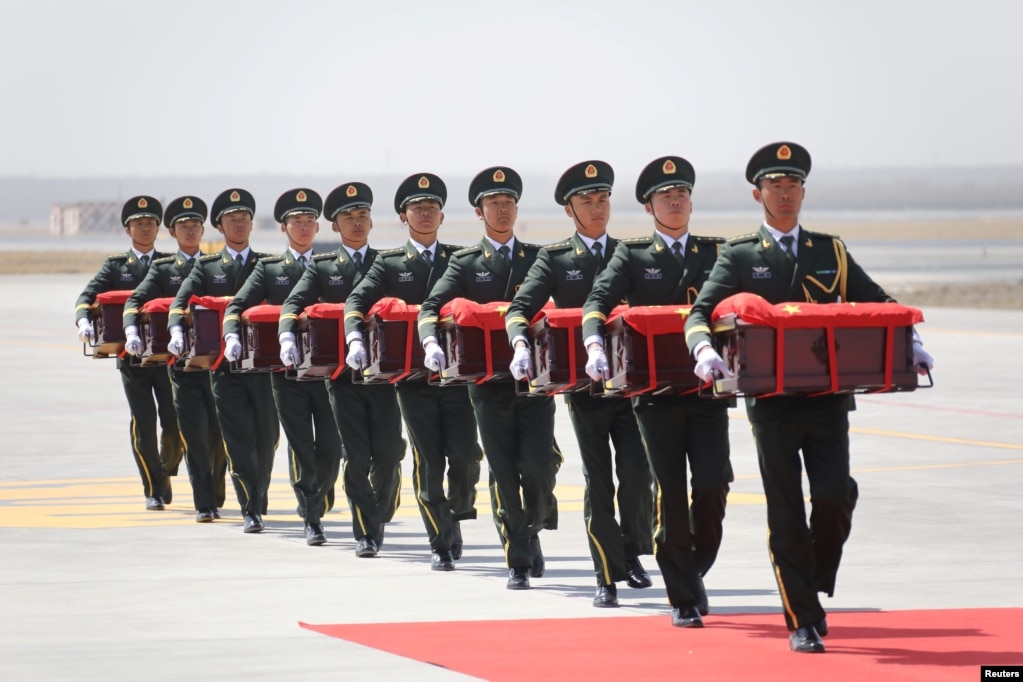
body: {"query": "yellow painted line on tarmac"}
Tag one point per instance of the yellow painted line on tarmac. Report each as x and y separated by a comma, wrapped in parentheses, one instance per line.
(940, 439)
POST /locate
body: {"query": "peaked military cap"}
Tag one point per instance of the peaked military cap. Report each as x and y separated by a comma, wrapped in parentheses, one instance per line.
(298, 201)
(347, 197)
(663, 174)
(420, 187)
(142, 206)
(495, 180)
(778, 159)
(231, 200)
(583, 178)
(185, 208)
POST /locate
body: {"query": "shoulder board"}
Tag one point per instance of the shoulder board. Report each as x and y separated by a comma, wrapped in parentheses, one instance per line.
(476, 248)
(751, 237)
(117, 256)
(638, 240)
(270, 259)
(165, 259)
(531, 247)
(559, 246)
(263, 256)
(451, 248)
(399, 251)
(708, 240)
(821, 235)
(210, 258)
(325, 256)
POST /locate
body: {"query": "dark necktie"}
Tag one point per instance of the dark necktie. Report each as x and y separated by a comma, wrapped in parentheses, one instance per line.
(238, 259)
(145, 261)
(598, 251)
(357, 257)
(505, 251)
(427, 256)
(679, 255)
(786, 242)
(303, 262)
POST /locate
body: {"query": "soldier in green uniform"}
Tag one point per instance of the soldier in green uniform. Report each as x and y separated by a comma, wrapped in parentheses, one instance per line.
(668, 268)
(565, 272)
(147, 389)
(245, 405)
(314, 445)
(517, 431)
(782, 261)
(367, 416)
(440, 422)
(193, 394)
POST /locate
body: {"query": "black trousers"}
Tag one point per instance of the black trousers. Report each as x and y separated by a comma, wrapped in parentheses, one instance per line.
(150, 398)
(314, 443)
(205, 454)
(805, 558)
(518, 441)
(442, 427)
(248, 420)
(677, 429)
(369, 421)
(596, 420)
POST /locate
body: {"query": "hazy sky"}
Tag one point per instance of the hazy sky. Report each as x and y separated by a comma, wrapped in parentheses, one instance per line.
(204, 87)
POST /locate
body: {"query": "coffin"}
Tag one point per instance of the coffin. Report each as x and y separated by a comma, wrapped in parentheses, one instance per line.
(647, 351)
(475, 342)
(204, 345)
(321, 343)
(107, 317)
(559, 359)
(261, 350)
(393, 351)
(153, 331)
(814, 349)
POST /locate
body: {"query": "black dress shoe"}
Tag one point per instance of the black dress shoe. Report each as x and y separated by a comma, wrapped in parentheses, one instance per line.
(686, 617)
(253, 523)
(702, 605)
(518, 578)
(456, 541)
(805, 640)
(216, 514)
(314, 536)
(638, 577)
(606, 597)
(539, 566)
(366, 547)
(822, 627)
(442, 560)
(154, 504)
(204, 516)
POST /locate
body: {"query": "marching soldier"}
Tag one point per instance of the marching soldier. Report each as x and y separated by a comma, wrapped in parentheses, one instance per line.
(314, 444)
(245, 406)
(147, 389)
(782, 261)
(668, 268)
(517, 431)
(193, 393)
(440, 422)
(565, 272)
(366, 416)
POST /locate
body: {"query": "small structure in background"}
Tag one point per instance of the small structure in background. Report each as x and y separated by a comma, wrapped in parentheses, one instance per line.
(89, 217)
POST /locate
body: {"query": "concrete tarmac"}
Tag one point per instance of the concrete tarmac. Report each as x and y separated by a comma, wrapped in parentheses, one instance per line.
(92, 587)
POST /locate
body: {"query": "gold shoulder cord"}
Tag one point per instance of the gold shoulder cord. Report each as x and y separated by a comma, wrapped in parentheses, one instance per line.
(841, 277)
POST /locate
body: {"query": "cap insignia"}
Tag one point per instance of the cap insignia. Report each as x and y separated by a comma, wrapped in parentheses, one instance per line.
(351, 191)
(187, 203)
(143, 203)
(591, 171)
(499, 175)
(424, 182)
(301, 196)
(784, 153)
(235, 196)
(669, 167)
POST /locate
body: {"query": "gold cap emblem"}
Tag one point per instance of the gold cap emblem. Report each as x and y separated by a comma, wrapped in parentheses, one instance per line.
(351, 191)
(499, 175)
(669, 167)
(784, 153)
(301, 196)
(235, 196)
(143, 203)
(424, 182)
(591, 171)
(187, 203)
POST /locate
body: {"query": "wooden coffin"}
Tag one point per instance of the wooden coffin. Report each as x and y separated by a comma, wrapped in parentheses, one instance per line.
(475, 342)
(393, 351)
(261, 350)
(153, 331)
(204, 346)
(559, 359)
(646, 351)
(321, 343)
(814, 349)
(107, 317)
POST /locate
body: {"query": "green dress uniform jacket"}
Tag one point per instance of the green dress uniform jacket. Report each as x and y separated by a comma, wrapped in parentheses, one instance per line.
(805, 559)
(304, 408)
(517, 431)
(147, 389)
(565, 272)
(440, 422)
(366, 416)
(675, 429)
(245, 406)
(193, 392)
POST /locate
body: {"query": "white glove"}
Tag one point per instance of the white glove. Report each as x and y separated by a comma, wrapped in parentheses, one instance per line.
(434, 360)
(708, 362)
(132, 341)
(356, 358)
(520, 363)
(289, 351)
(85, 331)
(596, 363)
(232, 347)
(921, 359)
(176, 345)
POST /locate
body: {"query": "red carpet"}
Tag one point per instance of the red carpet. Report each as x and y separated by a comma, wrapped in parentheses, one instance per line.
(876, 646)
